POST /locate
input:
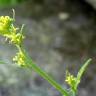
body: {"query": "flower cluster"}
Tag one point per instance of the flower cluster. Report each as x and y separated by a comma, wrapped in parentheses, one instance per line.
(16, 38)
(20, 59)
(71, 80)
(12, 33)
(5, 24)
(8, 30)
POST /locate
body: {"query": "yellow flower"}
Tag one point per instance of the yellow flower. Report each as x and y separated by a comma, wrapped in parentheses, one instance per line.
(20, 59)
(8, 30)
(17, 38)
(5, 24)
(71, 80)
(6, 21)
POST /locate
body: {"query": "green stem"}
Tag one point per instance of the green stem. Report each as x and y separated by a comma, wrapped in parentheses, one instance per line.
(44, 74)
(49, 79)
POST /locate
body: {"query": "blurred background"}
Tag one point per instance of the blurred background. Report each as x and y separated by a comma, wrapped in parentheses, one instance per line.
(60, 35)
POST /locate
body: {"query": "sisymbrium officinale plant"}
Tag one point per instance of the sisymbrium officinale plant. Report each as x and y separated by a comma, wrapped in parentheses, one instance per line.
(15, 36)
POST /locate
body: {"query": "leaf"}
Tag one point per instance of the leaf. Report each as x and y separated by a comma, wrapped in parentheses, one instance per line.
(2, 62)
(81, 71)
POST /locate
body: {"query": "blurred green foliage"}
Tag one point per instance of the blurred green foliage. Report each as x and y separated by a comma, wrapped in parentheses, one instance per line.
(5, 3)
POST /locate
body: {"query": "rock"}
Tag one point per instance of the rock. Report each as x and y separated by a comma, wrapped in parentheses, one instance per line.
(83, 92)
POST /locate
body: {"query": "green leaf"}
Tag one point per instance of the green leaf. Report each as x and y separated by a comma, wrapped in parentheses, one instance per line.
(2, 62)
(6, 3)
(81, 71)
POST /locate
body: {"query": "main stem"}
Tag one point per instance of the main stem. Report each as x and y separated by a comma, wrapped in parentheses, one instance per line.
(43, 74)
(48, 78)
